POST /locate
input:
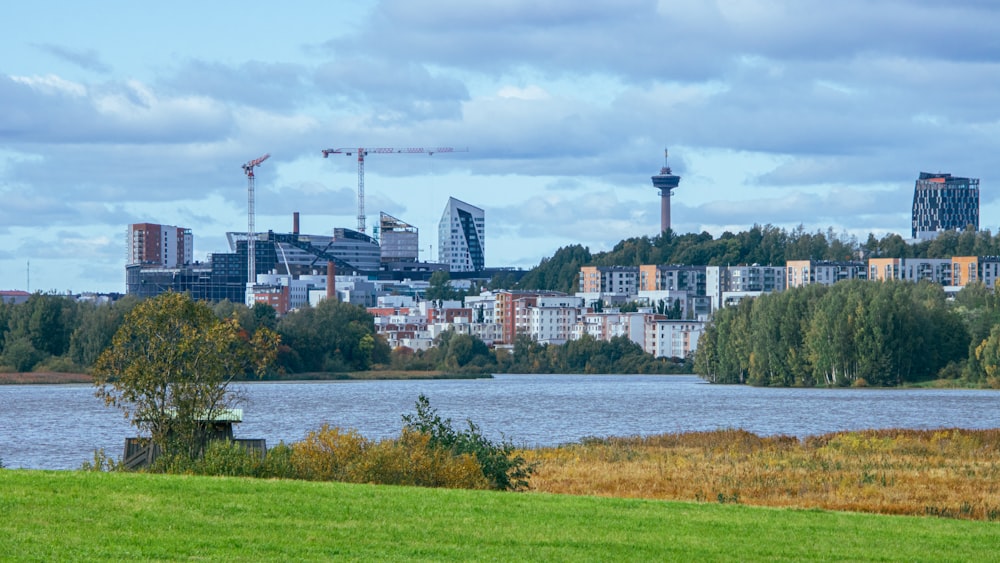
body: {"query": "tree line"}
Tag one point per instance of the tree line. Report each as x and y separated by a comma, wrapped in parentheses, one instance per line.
(761, 244)
(463, 353)
(56, 333)
(855, 333)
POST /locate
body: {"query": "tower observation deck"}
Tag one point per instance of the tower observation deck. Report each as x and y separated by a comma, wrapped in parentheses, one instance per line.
(666, 182)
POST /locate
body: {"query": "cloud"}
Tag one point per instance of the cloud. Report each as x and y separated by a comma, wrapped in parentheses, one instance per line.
(396, 92)
(278, 86)
(49, 109)
(87, 59)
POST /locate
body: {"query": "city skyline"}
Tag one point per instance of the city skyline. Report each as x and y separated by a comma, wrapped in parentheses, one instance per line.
(777, 113)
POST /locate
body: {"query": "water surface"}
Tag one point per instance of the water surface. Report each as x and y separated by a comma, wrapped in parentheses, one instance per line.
(59, 426)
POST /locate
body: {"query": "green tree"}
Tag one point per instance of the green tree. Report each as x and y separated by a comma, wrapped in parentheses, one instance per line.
(330, 337)
(96, 326)
(988, 355)
(439, 287)
(169, 367)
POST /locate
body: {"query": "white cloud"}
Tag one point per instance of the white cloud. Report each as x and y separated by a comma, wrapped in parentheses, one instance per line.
(51, 84)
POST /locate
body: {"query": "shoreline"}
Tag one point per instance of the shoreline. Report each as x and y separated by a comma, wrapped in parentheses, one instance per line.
(44, 378)
(54, 378)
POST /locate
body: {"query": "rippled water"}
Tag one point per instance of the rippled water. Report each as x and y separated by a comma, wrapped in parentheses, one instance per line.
(59, 426)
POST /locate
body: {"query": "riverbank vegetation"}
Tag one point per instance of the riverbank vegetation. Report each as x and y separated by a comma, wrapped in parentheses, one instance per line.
(429, 452)
(855, 333)
(67, 515)
(333, 340)
(949, 473)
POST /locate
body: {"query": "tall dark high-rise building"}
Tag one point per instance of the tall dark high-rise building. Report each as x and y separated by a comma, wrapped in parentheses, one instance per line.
(666, 182)
(942, 202)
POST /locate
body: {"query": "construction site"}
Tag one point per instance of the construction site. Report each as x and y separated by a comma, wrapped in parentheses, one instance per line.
(281, 268)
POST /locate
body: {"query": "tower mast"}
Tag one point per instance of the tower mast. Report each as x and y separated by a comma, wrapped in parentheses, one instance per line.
(363, 152)
(251, 229)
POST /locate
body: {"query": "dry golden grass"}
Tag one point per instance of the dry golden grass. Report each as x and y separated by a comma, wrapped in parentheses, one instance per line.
(25, 378)
(952, 473)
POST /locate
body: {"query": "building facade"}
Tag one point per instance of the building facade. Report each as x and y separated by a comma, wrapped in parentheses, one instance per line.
(462, 237)
(609, 279)
(400, 241)
(942, 202)
(160, 245)
(805, 272)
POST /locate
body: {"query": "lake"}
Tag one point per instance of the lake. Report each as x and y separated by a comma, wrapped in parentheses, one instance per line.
(60, 426)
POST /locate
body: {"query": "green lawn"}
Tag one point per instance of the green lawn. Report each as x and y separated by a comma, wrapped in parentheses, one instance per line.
(65, 515)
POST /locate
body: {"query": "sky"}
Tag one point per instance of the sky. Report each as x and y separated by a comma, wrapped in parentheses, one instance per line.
(779, 112)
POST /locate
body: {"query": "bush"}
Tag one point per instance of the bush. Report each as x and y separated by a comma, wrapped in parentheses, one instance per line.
(101, 462)
(278, 462)
(328, 454)
(333, 454)
(22, 355)
(411, 460)
(500, 466)
(223, 457)
(58, 364)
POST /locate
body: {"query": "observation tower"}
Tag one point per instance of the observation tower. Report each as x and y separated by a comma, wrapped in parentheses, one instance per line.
(666, 182)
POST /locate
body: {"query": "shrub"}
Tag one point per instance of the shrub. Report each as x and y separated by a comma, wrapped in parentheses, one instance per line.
(223, 457)
(412, 460)
(278, 462)
(500, 466)
(328, 454)
(101, 462)
(58, 364)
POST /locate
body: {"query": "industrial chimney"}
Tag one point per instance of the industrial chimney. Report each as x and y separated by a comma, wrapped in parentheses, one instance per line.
(331, 281)
(295, 222)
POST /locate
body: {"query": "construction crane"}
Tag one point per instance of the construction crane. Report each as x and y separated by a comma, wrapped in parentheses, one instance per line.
(251, 230)
(362, 153)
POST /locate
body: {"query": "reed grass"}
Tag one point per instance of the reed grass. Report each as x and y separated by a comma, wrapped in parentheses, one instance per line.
(952, 473)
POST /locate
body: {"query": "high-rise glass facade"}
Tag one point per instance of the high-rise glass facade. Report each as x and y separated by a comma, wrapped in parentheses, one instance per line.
(942, 202)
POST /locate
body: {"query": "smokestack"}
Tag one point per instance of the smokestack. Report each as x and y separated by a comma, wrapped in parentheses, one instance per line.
(295, 223)
(331, 280)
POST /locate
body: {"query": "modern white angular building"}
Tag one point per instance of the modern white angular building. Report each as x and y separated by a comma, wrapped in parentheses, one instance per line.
(462, 237)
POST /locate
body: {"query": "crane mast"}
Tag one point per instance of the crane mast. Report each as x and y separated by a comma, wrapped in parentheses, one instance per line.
(251, 229)
(363, 152)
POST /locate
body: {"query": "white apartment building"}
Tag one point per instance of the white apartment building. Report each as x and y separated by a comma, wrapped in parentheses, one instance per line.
(553, 319)
(805, 272)
(671, 338)
(727, 285)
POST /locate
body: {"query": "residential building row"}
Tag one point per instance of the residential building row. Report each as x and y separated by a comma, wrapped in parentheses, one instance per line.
(499, 317)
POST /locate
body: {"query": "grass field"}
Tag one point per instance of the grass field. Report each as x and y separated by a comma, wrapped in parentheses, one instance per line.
(72, 515)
